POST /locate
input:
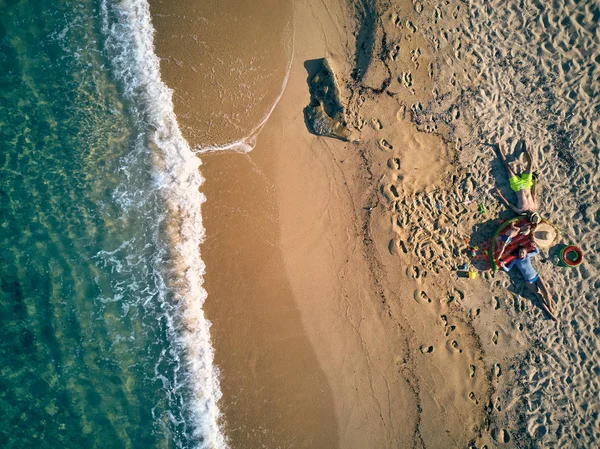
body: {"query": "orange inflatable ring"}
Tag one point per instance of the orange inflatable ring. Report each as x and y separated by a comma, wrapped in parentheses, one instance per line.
(571, 256)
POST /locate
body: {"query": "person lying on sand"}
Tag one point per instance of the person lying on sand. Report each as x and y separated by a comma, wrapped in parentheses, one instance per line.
(504, 240)
(532, 278)
(523, 185)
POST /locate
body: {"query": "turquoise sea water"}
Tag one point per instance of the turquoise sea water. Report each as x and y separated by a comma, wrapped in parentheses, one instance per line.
(91, 348)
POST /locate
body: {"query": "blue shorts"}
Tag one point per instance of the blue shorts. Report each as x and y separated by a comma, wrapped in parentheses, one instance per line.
(534, 280)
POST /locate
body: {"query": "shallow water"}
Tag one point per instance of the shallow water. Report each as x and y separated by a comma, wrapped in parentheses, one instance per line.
(228, 62)
(92, 296)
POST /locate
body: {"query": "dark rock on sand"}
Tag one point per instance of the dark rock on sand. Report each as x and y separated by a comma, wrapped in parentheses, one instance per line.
(325, 115)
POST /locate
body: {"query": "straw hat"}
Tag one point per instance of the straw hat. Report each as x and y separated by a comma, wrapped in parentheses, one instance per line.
(544, 235)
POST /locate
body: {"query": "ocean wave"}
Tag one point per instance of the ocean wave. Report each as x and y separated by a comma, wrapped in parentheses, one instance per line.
(129, 33)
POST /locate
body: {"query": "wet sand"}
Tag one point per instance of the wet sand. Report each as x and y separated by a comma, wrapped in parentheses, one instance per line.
(227, 71)
(275, 393)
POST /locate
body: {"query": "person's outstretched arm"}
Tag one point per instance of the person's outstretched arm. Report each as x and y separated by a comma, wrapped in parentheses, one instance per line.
(508, 203)
(507, 267)
(535, 251)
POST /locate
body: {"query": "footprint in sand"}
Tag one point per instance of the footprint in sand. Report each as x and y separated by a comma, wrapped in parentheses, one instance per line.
(454, 112)
(421, 297)
(359, 123)
(426, 349)
(416, 274)
(415, 55)
(394, 163)
(456, 294)
(497, 405)
(401, 113)
(472, 370)
(406, 79)
(417, 107)
(457, 46)
(396, 245)
(390, 192)
(473, 398)
(426, 251)
(497, 370)
(385, 145)
(403, 247)
(376, 124)
(437, 14)
(475, 313)
(458, 144)
(453, 346)
(450, 329)
(500, 435)
(455, 13)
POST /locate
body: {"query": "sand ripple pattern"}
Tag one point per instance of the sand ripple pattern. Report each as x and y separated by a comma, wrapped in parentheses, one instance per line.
(504, 71)
(537, 67)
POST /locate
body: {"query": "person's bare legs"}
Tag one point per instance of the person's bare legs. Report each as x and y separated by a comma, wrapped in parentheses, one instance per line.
(530, 161)
(510, 171)
(530, 166)
(543, 302)
(545, 293)
(499, 243)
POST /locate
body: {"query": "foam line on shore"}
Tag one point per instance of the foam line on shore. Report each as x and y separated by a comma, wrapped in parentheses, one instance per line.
(129, 34)
(247, 144)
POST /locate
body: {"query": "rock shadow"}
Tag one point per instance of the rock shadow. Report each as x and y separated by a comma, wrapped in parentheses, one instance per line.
(365, 38)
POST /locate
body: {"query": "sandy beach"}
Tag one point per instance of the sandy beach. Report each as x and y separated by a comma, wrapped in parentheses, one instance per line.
(340, 315)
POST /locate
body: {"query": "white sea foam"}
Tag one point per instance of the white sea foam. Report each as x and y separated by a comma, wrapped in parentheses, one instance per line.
(129, 43)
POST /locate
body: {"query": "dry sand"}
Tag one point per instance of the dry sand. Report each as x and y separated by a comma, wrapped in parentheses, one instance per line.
(339, 316)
